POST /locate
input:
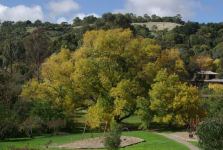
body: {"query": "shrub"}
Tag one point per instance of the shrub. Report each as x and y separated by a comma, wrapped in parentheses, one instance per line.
(112, 140)
(210, 134)
(30, 124)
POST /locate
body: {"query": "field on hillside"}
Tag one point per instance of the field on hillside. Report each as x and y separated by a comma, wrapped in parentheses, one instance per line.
(158, 25)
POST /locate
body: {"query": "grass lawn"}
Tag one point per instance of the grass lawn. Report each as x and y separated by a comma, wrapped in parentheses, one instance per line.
(194, 143)
(152, 141)
(133, 120)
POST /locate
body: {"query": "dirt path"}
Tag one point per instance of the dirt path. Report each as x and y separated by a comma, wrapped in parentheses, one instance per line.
(179, 139)
(98, 142)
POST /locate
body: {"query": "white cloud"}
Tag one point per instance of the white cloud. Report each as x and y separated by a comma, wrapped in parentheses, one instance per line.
(62, 19)
(162, 7)
(21, 13)
(58, 7)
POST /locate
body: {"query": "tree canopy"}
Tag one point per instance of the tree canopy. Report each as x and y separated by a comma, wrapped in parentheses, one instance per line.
(104, 74)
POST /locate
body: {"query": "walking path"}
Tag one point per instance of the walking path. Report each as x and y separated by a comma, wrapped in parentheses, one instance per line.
(179, 139)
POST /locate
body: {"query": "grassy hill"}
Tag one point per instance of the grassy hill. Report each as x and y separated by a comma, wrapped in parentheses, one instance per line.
(158, 25)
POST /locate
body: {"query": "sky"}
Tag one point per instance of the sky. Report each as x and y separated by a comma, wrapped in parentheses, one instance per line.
(58, 11)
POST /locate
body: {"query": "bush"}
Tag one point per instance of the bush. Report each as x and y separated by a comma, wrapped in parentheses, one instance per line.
(112, 140)
(210, 134)
(8, 123)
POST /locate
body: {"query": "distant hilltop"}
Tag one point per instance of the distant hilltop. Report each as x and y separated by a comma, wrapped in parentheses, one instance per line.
(158, 25)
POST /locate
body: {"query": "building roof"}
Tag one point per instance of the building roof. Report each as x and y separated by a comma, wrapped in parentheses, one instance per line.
(208, 72)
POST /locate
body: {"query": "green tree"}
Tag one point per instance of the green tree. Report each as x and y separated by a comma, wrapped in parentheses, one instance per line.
(210, 134)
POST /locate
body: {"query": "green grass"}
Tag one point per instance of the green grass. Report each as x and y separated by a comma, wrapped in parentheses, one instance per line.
(195, 143)
(132, 120)
(152, 141)
(40, 142)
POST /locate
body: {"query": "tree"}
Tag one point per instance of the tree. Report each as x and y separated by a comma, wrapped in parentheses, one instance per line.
(56, 86)
(8, 123)
(56, 124)
(30, 124)
(172, 62)
(9, 88)
(215, 101)
(202, 62)
(110, 63)
(217, 51)
(144, 112)
(174, 102)
(36, 45)
(210, 134)
(211, 129)
(77, 21)
(106, 76)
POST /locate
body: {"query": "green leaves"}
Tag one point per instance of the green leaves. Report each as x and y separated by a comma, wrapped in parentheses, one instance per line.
(210, 134)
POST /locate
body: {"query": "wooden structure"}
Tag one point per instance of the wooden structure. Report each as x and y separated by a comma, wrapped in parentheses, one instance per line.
(206, 77)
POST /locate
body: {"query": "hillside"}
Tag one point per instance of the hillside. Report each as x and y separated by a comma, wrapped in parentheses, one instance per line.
(158, 25)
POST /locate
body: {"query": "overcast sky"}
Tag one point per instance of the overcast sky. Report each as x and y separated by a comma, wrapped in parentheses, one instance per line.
(66, 10)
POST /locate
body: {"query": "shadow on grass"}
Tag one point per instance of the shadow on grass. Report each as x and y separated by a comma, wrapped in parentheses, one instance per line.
(153, 127)
(166, 128)
(16, 140)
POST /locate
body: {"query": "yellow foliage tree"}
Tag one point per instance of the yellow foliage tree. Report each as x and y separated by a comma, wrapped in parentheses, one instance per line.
(106, 75)
(56, 84)
(203, 62)
(170, 60)
(172, 101)
(216, 88)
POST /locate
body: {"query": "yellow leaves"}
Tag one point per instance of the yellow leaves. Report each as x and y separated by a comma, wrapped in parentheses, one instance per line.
(174, 101)
(105, 81)
(27, 91)
(171, 60)
(167, 118)
(217, 62)
(94, 116)
(204, 62)
(56, 83)
(148, 73)
(164, 119)
(110, 40)
(152, 50)
(33, 90)
(180, 120)
(85, 76)
(217, 88)
(58, 68)
(126, 89)
(111, 65)
(187, 96)
(119, 106)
